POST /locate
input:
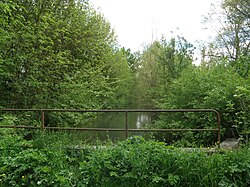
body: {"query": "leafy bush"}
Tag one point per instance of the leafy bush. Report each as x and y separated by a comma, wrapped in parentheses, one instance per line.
(136, 162)
(133, 162)
(218, 88)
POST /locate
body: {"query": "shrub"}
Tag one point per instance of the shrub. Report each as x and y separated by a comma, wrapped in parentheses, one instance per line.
(133, 162)
(219, 88)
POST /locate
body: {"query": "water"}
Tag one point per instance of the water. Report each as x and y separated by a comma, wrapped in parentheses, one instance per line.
(136, 120)
(142, 119)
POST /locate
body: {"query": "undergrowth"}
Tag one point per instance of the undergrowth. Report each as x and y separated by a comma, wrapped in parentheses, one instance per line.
(48, 161)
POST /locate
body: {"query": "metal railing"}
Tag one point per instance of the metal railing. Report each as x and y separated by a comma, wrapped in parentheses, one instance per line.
(126, 129)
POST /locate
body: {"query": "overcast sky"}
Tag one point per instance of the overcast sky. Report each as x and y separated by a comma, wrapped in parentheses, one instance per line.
(138, 22)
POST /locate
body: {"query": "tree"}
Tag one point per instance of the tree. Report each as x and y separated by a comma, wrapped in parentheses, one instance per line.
(147, 76)
(231, 22)
(59, 54)
(132, 59)
(218, 87)
(122, 71)
(160, 64)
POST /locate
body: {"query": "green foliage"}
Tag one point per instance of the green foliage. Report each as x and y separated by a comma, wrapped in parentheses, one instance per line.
(7, 120)
(232, 41)
(60, 54)
(63, 54)
(42, 161)
(161, 63)
(33, 167)
(218, 88)
(133, 162)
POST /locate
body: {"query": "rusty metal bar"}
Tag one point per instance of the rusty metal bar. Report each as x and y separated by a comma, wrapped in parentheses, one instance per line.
(61, 128)
(126, 124)
(219, 126)
(119, 110)
(42, 119)
(84, 129)
(19, 127)
(169, 130)
(126, 119)
(104, 129)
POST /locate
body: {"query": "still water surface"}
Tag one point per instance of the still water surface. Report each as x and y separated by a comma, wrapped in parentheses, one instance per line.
(136, 120)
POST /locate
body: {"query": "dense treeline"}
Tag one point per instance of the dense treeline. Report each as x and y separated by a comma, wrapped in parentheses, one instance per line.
(64, 54)
(60, 54)
(167, 78)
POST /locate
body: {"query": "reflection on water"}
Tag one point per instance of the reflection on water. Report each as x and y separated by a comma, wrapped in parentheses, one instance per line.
(136, 120)
(142, 119)
(117, 120)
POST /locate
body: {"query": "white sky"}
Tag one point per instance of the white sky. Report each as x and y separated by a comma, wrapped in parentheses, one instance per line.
(138, 22)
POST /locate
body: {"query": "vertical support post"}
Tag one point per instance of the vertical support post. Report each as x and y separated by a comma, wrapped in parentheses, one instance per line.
(42, 120)
(219, 124)
(126, 124)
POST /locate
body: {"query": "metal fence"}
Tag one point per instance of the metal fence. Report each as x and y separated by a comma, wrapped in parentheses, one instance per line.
(126, 128)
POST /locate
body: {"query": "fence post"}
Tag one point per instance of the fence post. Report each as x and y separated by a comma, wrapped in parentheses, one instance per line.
(42, 120)
(219, 126)
(126, 124)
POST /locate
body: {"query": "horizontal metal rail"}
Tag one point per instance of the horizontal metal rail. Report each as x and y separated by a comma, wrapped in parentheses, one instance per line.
(112, 110)
(126, 111)
(102, 129)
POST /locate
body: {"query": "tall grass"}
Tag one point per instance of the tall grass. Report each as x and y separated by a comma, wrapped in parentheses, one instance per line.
(133, 162)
